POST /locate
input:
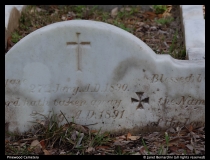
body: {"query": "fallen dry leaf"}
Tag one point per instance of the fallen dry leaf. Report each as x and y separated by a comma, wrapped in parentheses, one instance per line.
(64, 17)
(149, 15)
(42, 143)
(46, 152)
(9, 41)
(62, 152)
(71, 15)
(15, 144)
(36, 146)
(190, 128)
(189, 146)
(173, 141)
(37, 9)
(160, 15)
(133, 138)
(106, 134)
(165, 15)
(80, 128)
(102, 147)
(6, 141)
(120, 143)
(142, 150)
(182, 145)
(173, 148)
(114, 12)
(153, 28)
(140, 24)
(194, 135)
(169, 8)
(128, 135)
(152, 135)
(43, 122)
(22, 144)
(122, 137)
(90, 149)
(93, 131)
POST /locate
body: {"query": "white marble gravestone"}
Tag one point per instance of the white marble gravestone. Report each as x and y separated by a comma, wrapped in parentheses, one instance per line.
(98, 74)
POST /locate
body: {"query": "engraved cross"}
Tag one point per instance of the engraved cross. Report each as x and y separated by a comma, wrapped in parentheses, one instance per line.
(78, 49)
(142, 99)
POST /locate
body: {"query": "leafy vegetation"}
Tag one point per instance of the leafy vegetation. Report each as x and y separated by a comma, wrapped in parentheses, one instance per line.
(164, 21)
(159, 9)
(15, 37)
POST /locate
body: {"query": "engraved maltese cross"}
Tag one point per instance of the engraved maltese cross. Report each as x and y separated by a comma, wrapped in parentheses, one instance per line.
(142, 99)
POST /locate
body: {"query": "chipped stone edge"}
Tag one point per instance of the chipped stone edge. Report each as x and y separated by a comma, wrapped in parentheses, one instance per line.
(194, 38)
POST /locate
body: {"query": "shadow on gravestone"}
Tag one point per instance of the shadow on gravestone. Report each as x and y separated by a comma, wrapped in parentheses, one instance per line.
(99, 74)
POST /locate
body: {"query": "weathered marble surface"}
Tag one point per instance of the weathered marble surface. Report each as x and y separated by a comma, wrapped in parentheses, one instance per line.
(194, 31)
(99, 74)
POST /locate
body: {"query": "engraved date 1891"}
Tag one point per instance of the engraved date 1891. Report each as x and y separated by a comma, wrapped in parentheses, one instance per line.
(107, 114)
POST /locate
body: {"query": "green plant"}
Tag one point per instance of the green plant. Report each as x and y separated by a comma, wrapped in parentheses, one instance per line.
(163, 150)
(133, 10)
(124, 27)
(145, 146)
(115, 22)
(78, 8)
(167, 140)
(126, 13)
(118, 150)
(159, 9)
(99, 139)
(16, 150)
(105, 16)
(174, 40)
(49, 130)
(122, 14)
(15, 37)
(94, 8)
(182, 53)
(160, 150)
(164, 21)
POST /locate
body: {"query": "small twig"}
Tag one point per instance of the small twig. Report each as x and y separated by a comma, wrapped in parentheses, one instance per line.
(40, 114)
(90, 124)
(166, 44)
(28, 139)
(164, 32)
(65, 117)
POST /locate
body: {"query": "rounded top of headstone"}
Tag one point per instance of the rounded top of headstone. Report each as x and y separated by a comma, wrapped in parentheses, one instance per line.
(60, 30)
